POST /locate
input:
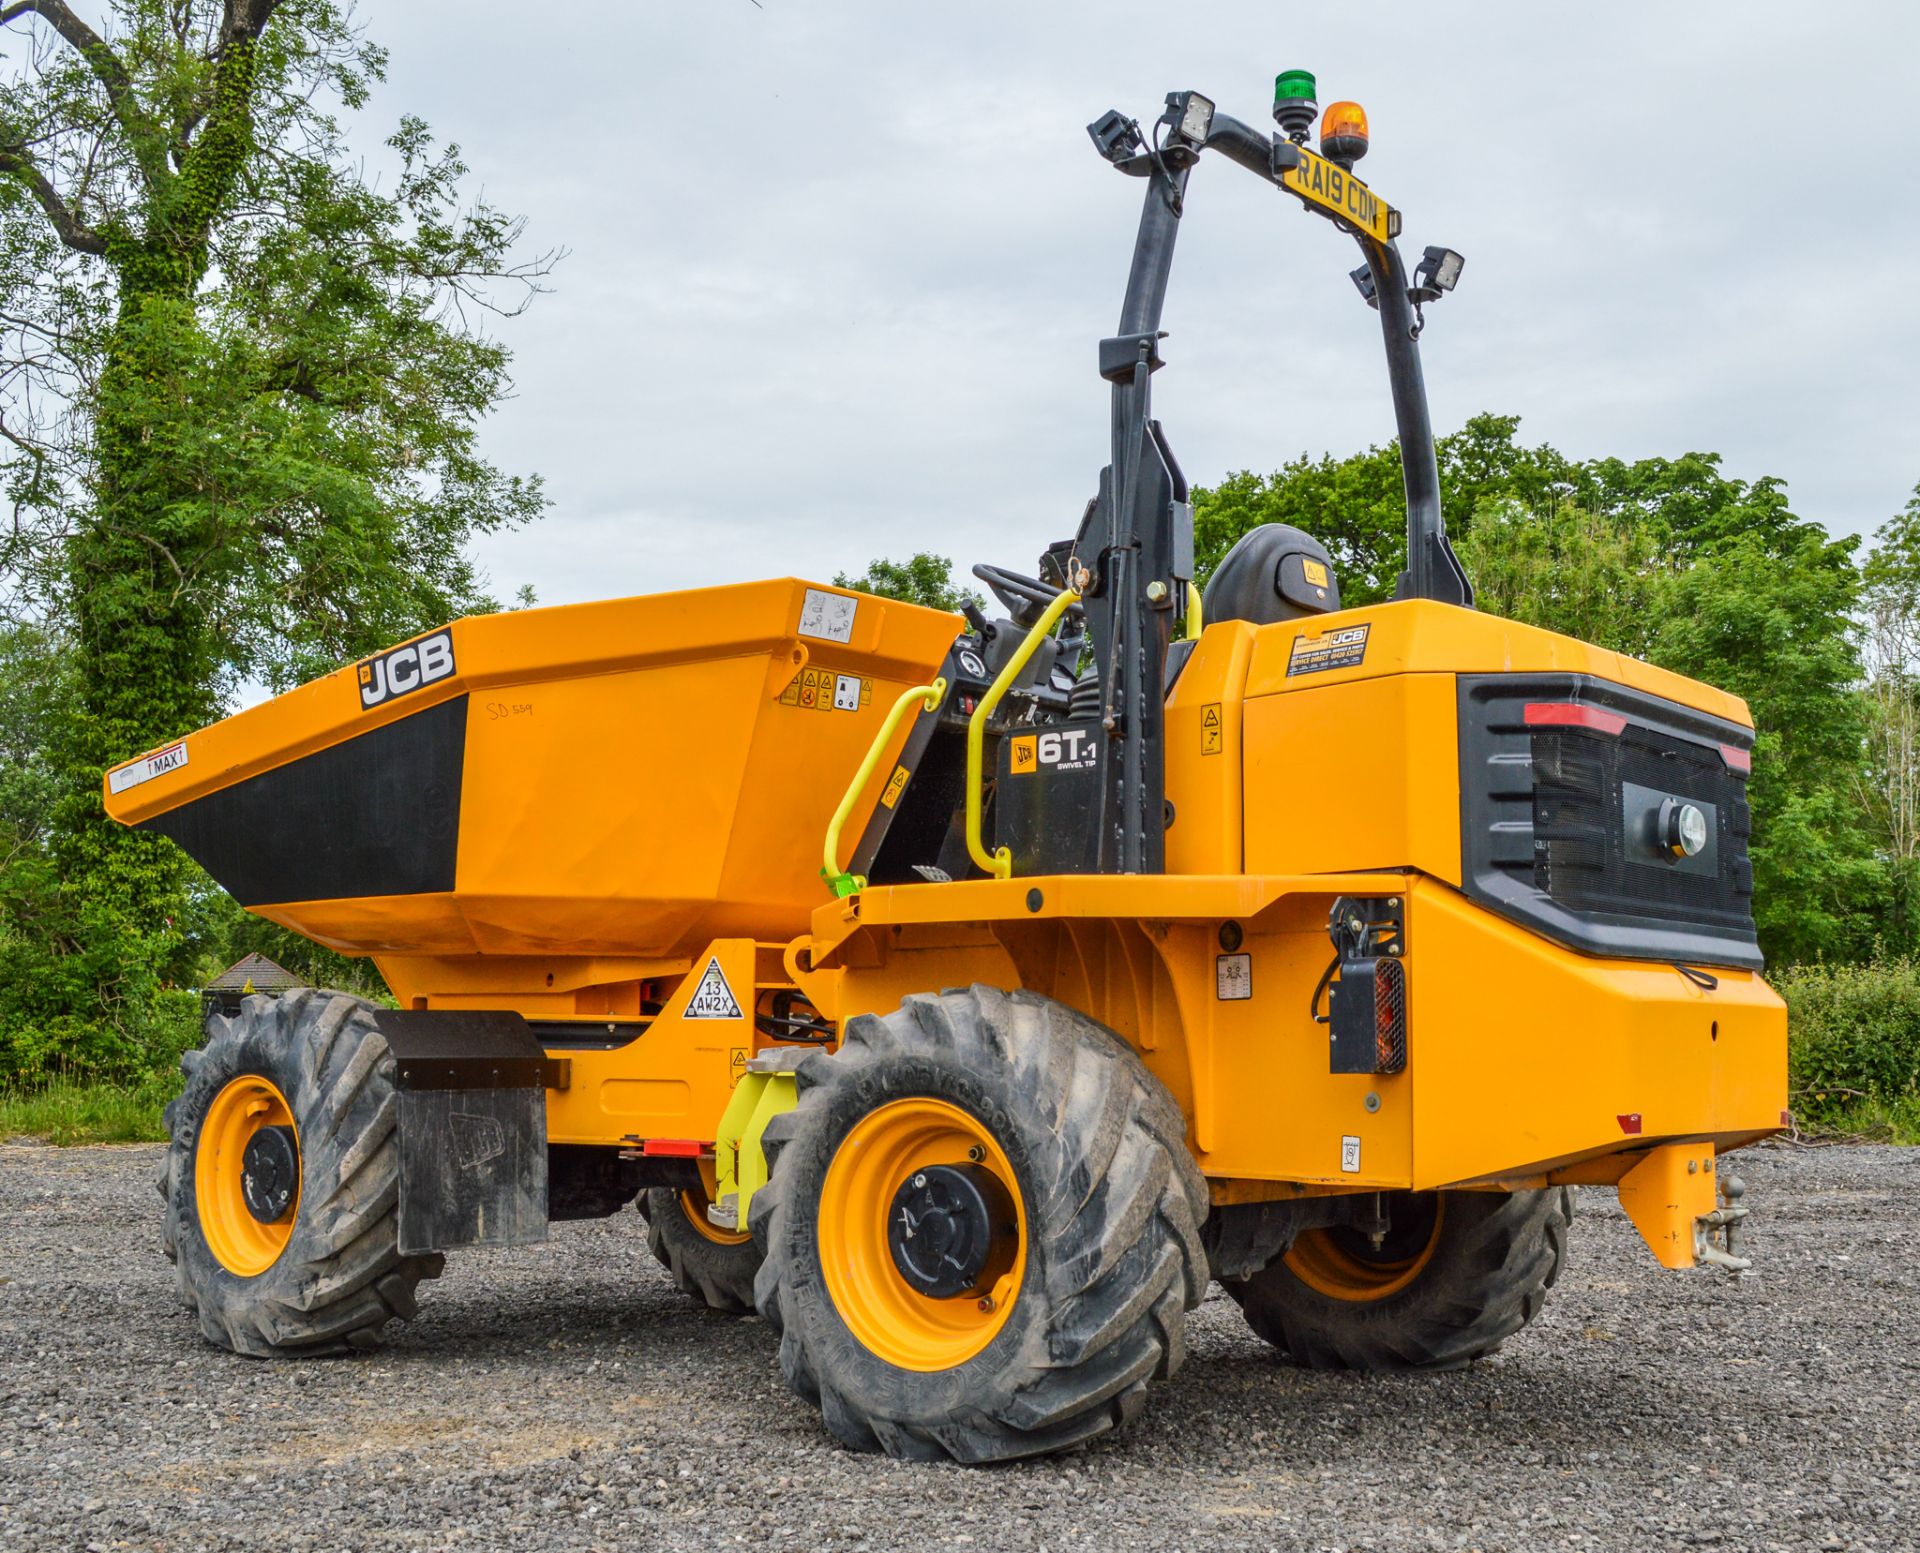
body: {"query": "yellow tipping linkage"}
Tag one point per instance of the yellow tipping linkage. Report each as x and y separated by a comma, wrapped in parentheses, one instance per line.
(739, 1164)
(999, 862)
(928, 697)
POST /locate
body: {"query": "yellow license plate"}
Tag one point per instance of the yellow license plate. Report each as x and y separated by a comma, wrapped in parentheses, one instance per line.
(1325, 186)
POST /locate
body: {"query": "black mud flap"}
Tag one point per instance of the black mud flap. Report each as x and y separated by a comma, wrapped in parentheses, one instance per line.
(472, 1128)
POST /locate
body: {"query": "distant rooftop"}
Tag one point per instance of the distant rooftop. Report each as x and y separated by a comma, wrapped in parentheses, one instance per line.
(254, 973)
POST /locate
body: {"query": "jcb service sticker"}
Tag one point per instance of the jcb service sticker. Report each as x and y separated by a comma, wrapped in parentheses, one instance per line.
(404, 670)
(1345, 648)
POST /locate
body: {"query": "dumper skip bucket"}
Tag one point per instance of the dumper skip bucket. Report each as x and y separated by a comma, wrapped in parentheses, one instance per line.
(634, 777)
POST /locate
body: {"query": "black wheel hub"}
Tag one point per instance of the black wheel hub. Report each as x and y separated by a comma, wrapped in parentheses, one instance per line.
(270, 1173)
(944, 1226)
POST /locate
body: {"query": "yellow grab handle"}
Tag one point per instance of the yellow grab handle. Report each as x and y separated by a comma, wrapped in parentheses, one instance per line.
(999, 862)
(1195, 615)
(928, 697)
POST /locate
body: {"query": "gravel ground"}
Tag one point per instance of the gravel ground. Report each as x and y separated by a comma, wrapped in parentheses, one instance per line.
(569, 1398)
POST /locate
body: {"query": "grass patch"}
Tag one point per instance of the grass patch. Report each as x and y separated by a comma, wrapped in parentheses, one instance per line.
(1867, 1118)
(64, 1111)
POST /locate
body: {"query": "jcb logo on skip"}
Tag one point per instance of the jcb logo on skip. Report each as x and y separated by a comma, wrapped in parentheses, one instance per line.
(405, 669)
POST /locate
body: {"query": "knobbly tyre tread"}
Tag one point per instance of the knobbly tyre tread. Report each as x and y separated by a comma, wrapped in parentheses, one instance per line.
(1499, 1254)
(341, 1277)
(1114, 1206)
(719, 1277)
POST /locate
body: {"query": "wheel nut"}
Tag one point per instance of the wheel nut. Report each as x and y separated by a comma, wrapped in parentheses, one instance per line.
(976, 1153)
(986, 1303)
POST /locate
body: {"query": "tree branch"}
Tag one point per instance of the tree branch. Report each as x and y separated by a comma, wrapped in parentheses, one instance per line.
(142, 133)
(75, 233)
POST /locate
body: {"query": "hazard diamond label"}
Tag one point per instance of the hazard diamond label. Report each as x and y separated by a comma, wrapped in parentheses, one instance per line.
(713, 998)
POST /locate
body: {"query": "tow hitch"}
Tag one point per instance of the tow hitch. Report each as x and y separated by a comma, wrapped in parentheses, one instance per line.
(1673, 1198)
(1716, 1235)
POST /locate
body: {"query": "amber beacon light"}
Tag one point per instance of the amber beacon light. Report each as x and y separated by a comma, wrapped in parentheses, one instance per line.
(1343, 133)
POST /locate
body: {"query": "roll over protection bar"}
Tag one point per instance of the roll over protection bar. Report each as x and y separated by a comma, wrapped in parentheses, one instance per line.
(1133, 557)
(1432, 571)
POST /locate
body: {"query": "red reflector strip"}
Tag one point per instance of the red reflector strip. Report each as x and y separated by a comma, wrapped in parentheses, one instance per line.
(673, 1148)
(1737, 760)
(1786, 1118)
(1569, 714)
(1630, 1123)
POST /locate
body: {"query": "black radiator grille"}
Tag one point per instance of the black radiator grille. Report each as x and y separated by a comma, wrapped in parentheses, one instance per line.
(1557, 817)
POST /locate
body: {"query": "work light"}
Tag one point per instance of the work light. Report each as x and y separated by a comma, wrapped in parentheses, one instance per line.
(1439, 269)
(1191, 115)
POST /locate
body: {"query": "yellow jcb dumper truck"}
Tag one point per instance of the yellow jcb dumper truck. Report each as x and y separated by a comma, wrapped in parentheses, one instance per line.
(965, 993)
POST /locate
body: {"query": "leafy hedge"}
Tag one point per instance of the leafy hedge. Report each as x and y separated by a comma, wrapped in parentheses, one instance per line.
(1854, 1046)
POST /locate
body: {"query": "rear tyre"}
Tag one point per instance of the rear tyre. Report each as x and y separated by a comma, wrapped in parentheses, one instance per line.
(282, 1180)
(709, 1264)
(1458, 1274)
(982, 1230)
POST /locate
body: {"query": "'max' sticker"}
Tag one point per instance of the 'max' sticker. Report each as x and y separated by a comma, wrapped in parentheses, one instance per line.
(404, 670)
(1345, 648)
(713, 998)
(828, 616)
(147, 767)
(1064, 749)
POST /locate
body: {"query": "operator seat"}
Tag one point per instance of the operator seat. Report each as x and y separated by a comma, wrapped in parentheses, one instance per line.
(1273, 573)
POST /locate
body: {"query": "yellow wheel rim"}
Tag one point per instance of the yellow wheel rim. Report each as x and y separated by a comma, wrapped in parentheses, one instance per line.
(239, 1242)
(889, 1317)
(1339, 1263)
(693, 1203)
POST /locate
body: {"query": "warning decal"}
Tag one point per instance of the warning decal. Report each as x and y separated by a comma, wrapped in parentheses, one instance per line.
(896, 785)
(1210, 728)
(713, 998)
(1342, 649)
(828, 616)
(822, 690)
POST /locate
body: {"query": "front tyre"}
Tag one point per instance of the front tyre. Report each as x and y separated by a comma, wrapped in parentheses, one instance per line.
(707, 1263)
(1455, 1275)
(282, 1180)
(982, 1230)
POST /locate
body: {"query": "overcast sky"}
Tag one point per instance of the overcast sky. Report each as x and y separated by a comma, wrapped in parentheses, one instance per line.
(836, 271)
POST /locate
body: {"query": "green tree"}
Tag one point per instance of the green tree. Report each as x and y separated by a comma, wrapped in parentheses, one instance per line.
(1773, 623)
(1568, 570)
(1890, 784)
(241, 401)
(923, 579)
(1357, 506)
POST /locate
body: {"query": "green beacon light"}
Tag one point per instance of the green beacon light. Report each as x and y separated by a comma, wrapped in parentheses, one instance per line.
(1294, 108)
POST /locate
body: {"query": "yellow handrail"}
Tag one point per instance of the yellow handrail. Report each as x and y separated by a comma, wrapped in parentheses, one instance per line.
(929, 697)
(1195, 615)
(999, 862)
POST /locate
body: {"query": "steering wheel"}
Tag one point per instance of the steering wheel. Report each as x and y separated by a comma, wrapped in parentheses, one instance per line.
(1024, 596)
